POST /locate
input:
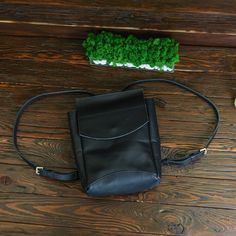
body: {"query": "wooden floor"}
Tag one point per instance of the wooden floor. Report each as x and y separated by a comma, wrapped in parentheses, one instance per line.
(40, 50)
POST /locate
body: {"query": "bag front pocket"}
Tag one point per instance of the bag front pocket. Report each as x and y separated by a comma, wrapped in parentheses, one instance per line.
(119, 159)
(115, 146)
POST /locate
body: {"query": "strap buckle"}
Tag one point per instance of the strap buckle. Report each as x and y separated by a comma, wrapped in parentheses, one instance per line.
(204, 150)
(37, 170)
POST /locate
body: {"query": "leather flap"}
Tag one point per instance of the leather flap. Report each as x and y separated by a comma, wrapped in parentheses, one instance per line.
(111, 115)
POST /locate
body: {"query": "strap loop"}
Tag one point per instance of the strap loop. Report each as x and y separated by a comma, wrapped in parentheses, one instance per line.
(204, 150)
(38, 170)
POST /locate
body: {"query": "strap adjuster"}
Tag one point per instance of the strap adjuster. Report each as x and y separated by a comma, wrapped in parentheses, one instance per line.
(37, 170)
(204, 150)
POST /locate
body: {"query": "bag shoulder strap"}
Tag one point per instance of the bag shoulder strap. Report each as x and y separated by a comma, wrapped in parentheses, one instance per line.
(39, 170)
(203, 151)
(74, 175)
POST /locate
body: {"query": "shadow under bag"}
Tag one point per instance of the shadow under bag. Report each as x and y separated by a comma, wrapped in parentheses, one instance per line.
(115, 141)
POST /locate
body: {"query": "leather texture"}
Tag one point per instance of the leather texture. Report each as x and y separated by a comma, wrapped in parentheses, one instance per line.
(116, 143)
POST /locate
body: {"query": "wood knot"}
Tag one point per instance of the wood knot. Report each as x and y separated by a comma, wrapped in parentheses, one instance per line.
(5, 180)
(176, 228)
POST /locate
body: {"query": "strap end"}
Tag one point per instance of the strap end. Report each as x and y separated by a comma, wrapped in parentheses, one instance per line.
(38, 170)
(204, 150)
(187, 160)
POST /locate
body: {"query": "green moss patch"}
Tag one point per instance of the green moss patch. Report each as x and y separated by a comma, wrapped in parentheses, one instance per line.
(116, 50)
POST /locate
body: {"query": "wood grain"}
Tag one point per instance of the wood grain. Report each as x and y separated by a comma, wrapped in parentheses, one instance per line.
(174, 190)
(51, 50)
(89, 77)
(217, 166)
(78, 32)
(206, 23)
(40, 125)
(19, 229)
(214, 6)
(48, 150)
(58, 154)
(120, 216)
(37, 120)
(117, 80)
(199, 199)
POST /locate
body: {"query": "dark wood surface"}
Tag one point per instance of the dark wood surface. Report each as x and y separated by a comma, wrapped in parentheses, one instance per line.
(203, 22)
(40, 51)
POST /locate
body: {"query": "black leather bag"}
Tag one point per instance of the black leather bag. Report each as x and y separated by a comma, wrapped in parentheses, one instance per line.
(115, 141)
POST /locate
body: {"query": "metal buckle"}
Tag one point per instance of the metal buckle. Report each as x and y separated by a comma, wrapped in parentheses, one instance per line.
(37, 170)
(204, 149)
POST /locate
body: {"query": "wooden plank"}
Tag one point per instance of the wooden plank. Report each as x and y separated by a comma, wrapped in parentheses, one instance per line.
(173, 133)
(180, 108)
(16, 229)
(120, 216)
(58, 154)
(61, 104)
(219, 166)
(174, 190)
(192, 58)
(49, 150)
(173, 5)
(31, 29)
(39, 130)
(226, 88)
(40, 125)
(33, 85)
(206, 22)
(190, 108)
